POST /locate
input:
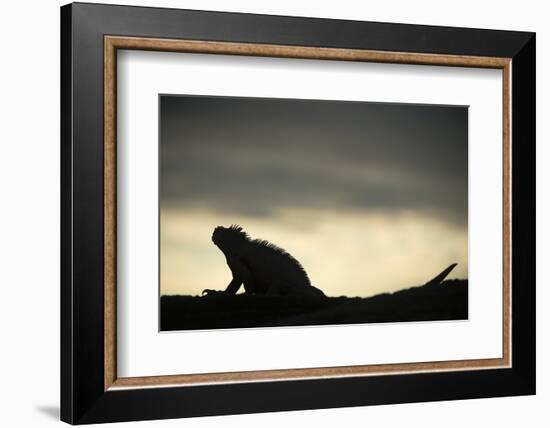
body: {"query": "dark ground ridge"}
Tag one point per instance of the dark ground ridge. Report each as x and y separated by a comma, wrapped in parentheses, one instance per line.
(440, 301)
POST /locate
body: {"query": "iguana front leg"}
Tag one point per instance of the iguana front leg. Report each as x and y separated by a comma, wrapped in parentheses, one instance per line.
(240, 273)
(232, 288)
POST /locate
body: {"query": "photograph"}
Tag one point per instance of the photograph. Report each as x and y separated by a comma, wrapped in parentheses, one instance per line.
(298, 212)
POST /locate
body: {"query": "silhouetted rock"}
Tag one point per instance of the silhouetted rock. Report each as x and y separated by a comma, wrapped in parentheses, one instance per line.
(447, 300)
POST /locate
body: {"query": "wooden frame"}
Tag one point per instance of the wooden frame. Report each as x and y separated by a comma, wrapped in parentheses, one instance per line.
(513, 53)
(112, 43)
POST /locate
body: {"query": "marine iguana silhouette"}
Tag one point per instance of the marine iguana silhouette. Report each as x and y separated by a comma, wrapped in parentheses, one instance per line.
(259, 265)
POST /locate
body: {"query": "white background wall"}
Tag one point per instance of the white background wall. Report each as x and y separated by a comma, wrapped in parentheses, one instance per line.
(29, 218)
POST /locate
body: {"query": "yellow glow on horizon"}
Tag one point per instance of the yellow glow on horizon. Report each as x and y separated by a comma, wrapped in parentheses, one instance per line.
(353, 254)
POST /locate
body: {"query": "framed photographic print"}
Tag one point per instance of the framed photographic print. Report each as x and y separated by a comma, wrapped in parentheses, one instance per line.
(266, 213)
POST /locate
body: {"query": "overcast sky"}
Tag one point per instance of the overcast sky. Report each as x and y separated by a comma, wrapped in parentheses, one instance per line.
(382, 185)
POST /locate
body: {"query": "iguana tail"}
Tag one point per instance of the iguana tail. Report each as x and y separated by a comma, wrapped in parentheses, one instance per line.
(439, 278)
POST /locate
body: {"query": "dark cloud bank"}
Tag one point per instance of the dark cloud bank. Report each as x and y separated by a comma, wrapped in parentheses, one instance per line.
(254, 156)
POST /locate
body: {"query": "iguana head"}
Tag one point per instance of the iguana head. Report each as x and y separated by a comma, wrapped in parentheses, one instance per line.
(225, 237)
